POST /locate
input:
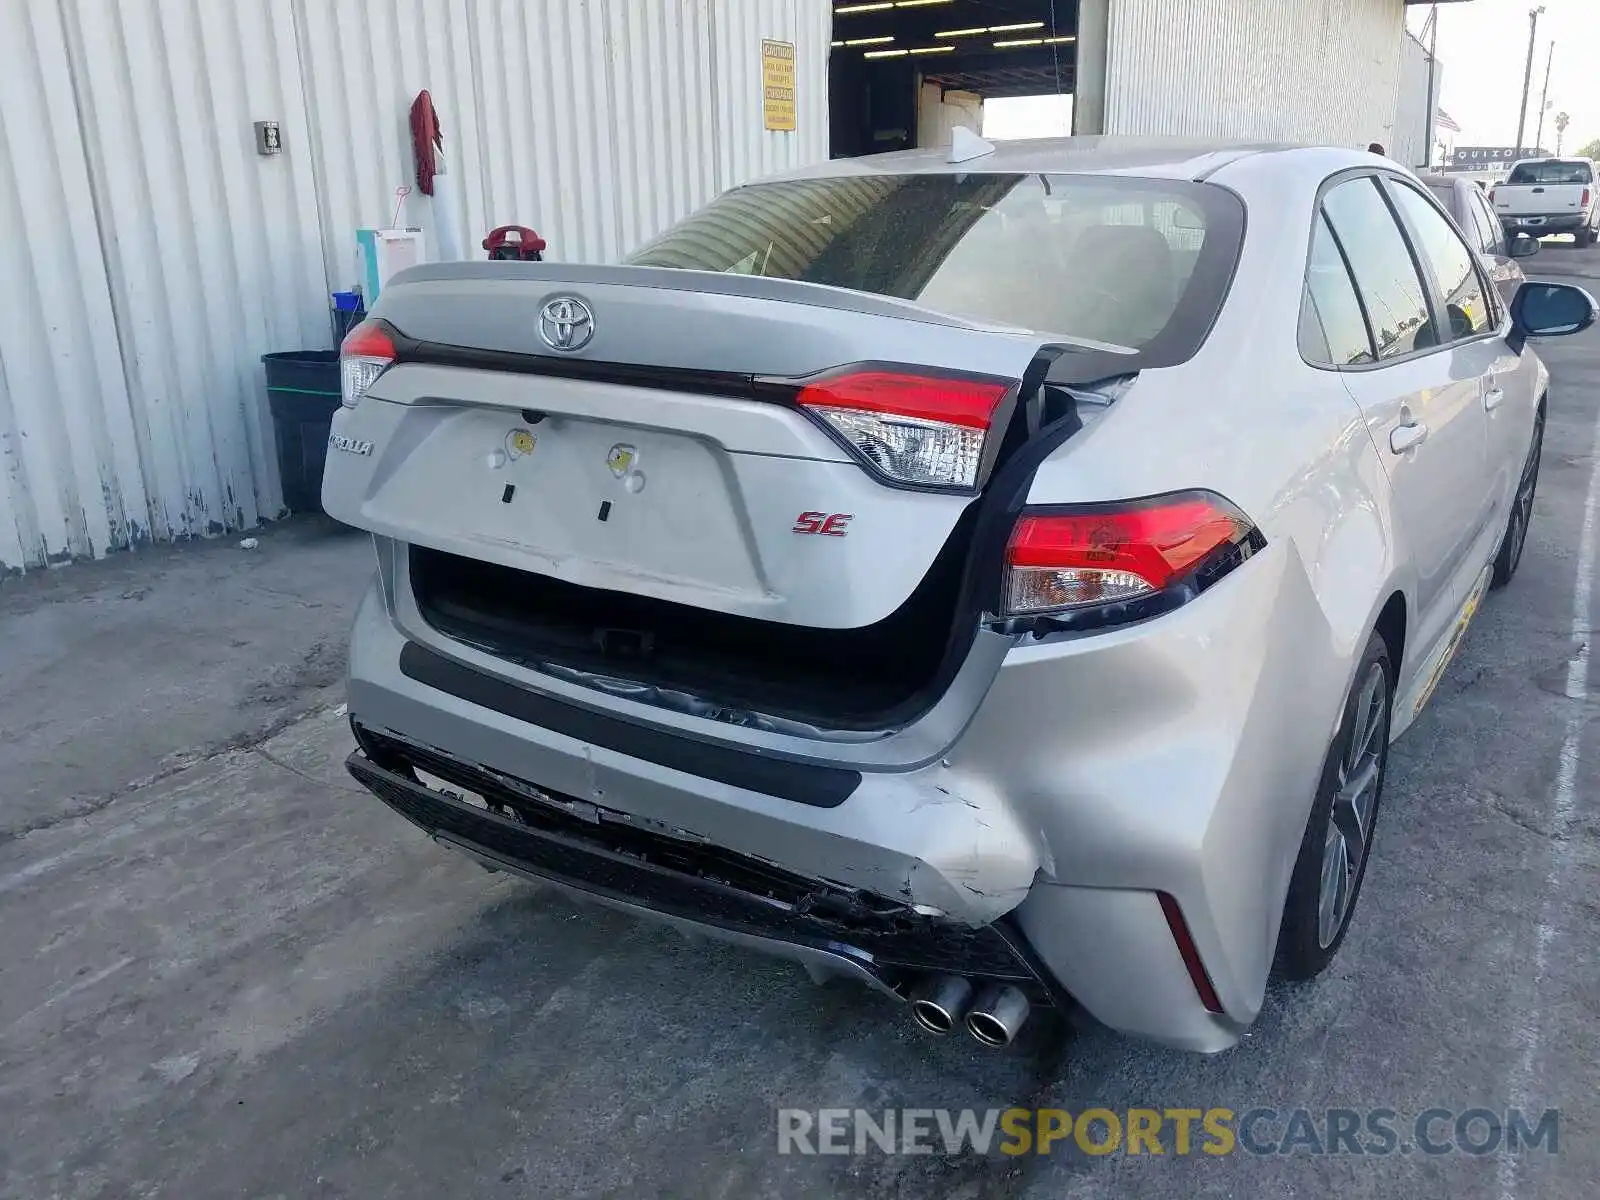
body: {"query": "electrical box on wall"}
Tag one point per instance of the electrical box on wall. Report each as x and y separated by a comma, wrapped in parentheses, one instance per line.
(269, 140)
(382, 252)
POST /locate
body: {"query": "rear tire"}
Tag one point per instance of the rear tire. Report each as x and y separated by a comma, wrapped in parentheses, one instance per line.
(1584, 238)
(1338, 839)
(1509, 555)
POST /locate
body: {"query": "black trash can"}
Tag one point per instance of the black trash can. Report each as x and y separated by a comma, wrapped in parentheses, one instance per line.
(303, 389)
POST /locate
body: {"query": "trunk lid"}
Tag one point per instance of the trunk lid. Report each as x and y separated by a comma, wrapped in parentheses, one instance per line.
(701, 480)
(658, 456)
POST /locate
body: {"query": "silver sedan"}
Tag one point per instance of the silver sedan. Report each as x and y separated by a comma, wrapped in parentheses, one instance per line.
(996, 575)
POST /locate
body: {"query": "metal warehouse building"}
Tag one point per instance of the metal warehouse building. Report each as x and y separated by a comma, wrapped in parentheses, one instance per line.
(154, 244)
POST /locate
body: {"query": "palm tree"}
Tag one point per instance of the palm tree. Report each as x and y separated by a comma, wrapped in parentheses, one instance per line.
(1561, 129)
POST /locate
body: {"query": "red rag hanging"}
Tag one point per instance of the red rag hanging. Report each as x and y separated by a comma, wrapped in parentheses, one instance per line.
(426, 139)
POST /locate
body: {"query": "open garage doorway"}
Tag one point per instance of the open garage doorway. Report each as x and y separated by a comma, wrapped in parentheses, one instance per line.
(903, 73)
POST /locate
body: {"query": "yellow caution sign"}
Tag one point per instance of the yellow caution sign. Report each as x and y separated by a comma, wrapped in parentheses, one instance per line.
(777, 85)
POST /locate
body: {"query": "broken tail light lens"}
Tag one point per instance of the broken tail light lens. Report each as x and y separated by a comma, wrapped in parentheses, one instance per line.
(925, 430)
(366, 352)
(1064, 559)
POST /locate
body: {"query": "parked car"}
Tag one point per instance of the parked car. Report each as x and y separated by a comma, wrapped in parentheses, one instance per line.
(997, 581)
(1550, 195)
(1468, 205)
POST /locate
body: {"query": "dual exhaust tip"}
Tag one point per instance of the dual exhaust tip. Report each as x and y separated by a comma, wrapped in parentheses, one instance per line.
(942, 1002)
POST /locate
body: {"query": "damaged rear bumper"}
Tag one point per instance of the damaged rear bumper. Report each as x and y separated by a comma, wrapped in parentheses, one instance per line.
(607, 855)
(1072, 841)
(922, 838)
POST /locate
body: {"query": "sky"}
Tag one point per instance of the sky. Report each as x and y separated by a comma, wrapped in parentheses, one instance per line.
(1483, 47)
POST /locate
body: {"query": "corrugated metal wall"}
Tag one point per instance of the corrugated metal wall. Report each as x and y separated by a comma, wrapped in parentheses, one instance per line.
(71, 481)
(1291, 70)
(744, 149)
(211, 251)
(597, 122)
(159, 257)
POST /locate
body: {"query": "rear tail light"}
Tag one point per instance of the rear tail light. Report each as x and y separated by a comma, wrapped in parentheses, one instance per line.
(917, 429)
(366, 352)
(1491, 195)
(1064, 559)
(1586, 197)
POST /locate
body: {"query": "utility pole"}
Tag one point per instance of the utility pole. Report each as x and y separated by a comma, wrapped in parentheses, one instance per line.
(1432, 121)
(1544, 100)
(1527, 76)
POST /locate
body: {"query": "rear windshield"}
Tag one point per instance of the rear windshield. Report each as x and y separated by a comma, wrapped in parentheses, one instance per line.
(1140, 263)
(1551, 172)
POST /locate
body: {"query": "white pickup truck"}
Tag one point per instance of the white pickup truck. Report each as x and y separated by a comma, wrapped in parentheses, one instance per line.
(1549, 195)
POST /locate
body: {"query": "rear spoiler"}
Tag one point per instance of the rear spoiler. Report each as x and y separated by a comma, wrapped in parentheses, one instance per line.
(553, 276)
(397, 300)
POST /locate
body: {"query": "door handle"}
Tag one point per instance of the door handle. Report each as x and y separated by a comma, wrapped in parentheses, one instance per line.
(1408, 437)
(1493, 399)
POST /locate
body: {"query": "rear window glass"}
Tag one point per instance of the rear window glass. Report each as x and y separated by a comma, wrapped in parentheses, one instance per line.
(1138, 263)
(1551, 172)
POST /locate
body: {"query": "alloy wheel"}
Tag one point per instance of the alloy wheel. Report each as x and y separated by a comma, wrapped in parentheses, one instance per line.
(1522, 507)
(1355, 802)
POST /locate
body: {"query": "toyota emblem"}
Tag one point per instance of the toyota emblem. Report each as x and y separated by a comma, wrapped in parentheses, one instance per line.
(565, 323)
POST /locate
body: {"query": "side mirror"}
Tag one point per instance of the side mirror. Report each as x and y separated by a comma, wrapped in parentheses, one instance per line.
(1551, 310)
(1523, 246)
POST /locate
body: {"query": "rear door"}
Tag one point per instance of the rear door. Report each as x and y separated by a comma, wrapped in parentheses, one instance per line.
(1420, 392)
(1478, 324)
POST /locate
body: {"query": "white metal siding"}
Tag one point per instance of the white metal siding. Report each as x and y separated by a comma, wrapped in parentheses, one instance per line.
(151, 256)
(1321, 71)
(68, 471)
(744, 148)
(596, 122)
(210, 249)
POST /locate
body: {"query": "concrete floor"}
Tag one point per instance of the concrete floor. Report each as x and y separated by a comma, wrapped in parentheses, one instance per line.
(224, 971)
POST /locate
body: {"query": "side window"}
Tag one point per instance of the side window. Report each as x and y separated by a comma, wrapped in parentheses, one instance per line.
(1333, 331)
(1471, 222)
(1451, 263)
(1494, 245)
(1381, 262)
(1491, 232)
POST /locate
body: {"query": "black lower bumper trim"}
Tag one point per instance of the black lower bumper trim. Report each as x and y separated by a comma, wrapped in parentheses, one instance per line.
(686, 881)
(805, 783)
